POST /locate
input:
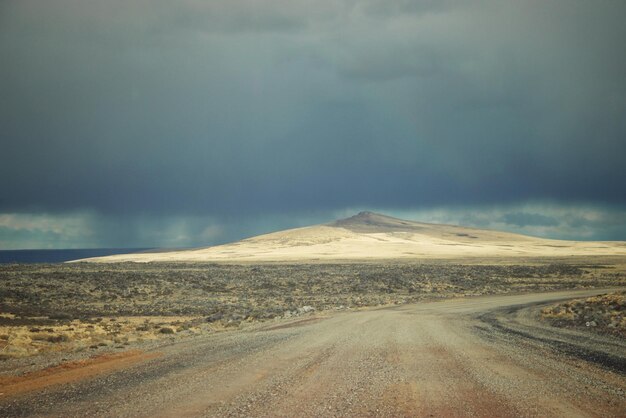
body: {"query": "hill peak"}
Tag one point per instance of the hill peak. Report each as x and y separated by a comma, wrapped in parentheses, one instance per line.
(367, 215)
(374, 222)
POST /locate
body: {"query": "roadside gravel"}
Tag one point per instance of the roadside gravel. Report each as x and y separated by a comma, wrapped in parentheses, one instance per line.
(484, 356)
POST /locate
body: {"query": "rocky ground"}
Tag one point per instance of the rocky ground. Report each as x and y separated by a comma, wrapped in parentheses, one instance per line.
(604, 314)
(91, 307)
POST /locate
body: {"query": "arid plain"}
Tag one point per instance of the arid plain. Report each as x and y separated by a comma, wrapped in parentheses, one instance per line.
(366, 316)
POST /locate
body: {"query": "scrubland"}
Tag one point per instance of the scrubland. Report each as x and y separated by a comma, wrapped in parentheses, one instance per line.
(82, 306)
(602, 314)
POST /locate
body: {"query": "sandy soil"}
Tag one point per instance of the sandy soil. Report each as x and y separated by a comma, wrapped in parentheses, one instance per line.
(370, 236)
(485, 356)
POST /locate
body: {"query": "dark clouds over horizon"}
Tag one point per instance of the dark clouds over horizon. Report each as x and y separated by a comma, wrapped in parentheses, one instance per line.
(244, 116)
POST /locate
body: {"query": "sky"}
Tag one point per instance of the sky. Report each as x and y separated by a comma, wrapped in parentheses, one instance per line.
(191, 123)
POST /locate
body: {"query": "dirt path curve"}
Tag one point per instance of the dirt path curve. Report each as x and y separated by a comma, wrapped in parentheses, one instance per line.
(482, 357)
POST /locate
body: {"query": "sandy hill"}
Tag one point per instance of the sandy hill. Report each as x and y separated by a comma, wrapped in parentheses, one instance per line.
(371, 236)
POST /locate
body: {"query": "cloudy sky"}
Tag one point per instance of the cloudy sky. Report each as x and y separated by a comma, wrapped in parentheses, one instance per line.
(173, 124)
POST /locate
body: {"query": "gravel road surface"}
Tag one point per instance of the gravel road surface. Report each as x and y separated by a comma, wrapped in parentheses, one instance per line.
(486, 356)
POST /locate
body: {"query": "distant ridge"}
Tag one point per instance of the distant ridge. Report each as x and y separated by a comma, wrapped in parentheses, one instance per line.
(373, 236)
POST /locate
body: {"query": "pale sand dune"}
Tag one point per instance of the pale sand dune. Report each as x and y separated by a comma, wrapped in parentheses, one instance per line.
(371, 236)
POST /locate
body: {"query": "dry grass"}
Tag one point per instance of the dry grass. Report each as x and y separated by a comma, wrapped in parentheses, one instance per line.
(86, 334)
(604, 313)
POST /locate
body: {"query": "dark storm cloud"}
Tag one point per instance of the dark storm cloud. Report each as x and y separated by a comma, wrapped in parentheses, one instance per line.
(231, 110)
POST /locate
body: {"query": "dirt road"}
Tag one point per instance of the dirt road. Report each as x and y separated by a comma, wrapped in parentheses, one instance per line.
(483, 356)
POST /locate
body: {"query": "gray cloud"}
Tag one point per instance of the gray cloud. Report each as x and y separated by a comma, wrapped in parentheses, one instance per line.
(522, 219)
(240, 109)
(91, 230)
(578, 221)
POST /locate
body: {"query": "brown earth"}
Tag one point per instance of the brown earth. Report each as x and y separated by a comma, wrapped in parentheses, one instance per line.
(70, 372)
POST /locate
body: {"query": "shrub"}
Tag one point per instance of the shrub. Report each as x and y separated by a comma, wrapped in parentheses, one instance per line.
(58, 338)
(61, 316)
(214, 317)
